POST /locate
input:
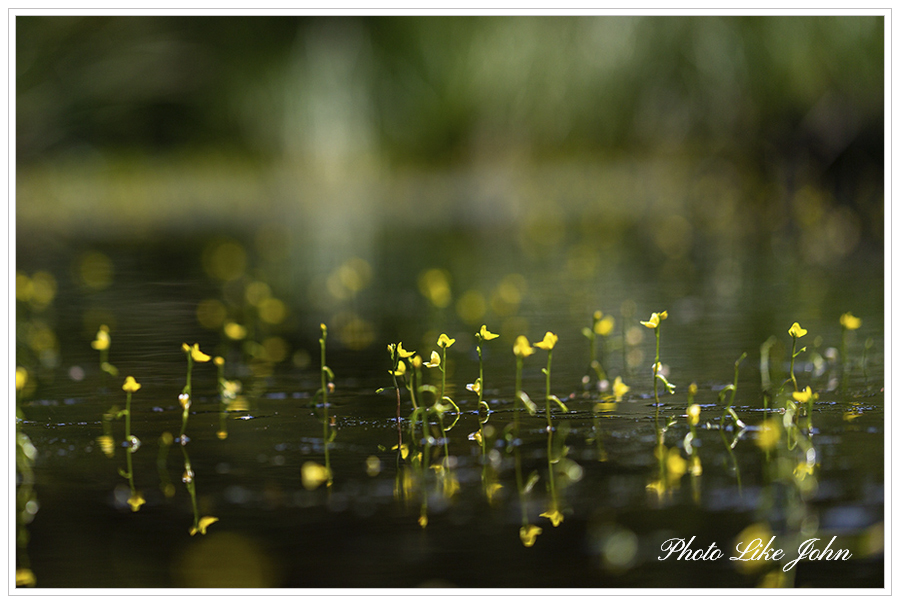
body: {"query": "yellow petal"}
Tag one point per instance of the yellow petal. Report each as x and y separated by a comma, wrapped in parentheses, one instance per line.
(136, 501)
(528, 534)
(805, 396)
(404, 354)
(235, 331)
(219, 361)
(619, 389)
(444, 341)
(797, 331)
(106, 445)
(554, 515)
(848, 321)
(605, 326)
(313, 474)
(205, 522)
(130, 385)
(548, 342)
(486, 335)
(102, 342)
(653, 323)
(199, 356)
(435, 360)
(25, 578)
(401, 369)
(185, 347)
(522, 348)
(694, 414)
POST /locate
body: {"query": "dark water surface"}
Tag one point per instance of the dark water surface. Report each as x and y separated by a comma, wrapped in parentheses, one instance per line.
(618, 502)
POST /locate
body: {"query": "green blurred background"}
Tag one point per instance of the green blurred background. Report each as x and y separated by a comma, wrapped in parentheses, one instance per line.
(346, 153)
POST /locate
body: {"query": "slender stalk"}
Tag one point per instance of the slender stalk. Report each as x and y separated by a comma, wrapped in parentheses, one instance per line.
(547, 396)
(325, 420)
(793, 355)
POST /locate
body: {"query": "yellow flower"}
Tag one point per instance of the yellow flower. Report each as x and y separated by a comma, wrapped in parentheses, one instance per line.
(21, 377)
(185, 400)
(692, 389)
(313, 474)
(805, 396)
(605, 326)
(675, 465)
(620, 389)
(130, 385)
(401, 369)
(548, 342)
(136, 501)
(404, 354)
(423, 520)
(445, 342)
(196, 354)
(435, 360)
(203, 525)
(522, 348)
(848, 321)
(219, 361)
(655, 318)
(102, 341)
(484, 334)
(554, 515)
(475, 387)
(796, 330)
(694, 414)
(25, 578)
(106, 444)
(416, 361)
(803, 470)
(528, 534)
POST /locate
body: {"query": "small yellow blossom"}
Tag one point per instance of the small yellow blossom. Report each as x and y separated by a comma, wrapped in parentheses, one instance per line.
(848, 321)
(529, 533)
(185, 400)
(25, 578)
(444, 341)
(401, 369)
(102, 340)
(404, 450)
(484, 334)
(219, 361)
(694, 414)
(548, 342)
(199, 356)
(554, 515)
(655, 318)
(416, 361)
(797, 331)
(130, 385)
(620, 389)
(106, 444)
(136, 501)
(803, 470)
(805, 396)
(404, 354)
(203, 525)
(692, 389)
(676, 466)
(475, 387)
(435, 360)
(313, 474)
(605, 326)
(522, 348)
(21, 377)
(423, 520)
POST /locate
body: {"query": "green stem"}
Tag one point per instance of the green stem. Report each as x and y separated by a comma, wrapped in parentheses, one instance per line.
(547, 396)
(656, 369)
(793, 355)
(325, 420)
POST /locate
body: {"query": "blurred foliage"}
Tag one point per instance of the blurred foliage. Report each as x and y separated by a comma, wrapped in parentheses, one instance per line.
(433, 89)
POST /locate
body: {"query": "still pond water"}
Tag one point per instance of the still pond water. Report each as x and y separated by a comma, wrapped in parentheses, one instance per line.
(593, 499)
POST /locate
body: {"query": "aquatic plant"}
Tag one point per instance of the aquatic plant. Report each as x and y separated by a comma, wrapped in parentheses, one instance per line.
(547, 344)
(136, 500)
(102, 343)
(796, 332)
(200, 524)
(228, 392)
(732, 389)
(398, 368)
(193, 353)
(26, 501)
(482, 335)
(327, 377)
(653, 323)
